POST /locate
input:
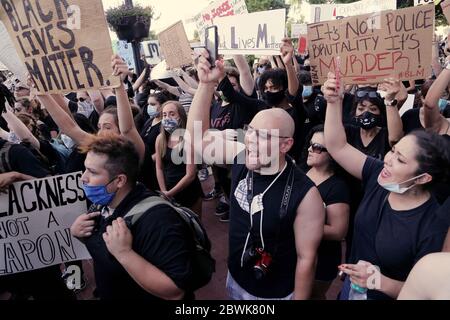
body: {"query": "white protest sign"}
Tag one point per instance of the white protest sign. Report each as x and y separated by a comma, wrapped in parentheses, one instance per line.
(35, 220)
(257, 33)
(161, 71)
(125, 51)
(152, 51)
(220, 8)
(9, 56)
(325, 12)
(298, 29)
(421, 2)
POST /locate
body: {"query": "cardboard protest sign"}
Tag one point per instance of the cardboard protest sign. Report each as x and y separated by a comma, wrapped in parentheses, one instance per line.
(35, 220)
(175, 46)
(65, 45)
(125, 51)
(220, 8)
(396, 43)
(325, 12)
(297, 30)
(152, 51)
(254, 33)
(445, 5)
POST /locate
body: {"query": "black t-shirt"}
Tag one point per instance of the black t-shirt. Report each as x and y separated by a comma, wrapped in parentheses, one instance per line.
(393, 240)
(159, 236)
(75, 162)
(278, 233)
(149, 134)
(377, 148)
(411, 121)
(22, 160)
(333, 190)
(237, 113)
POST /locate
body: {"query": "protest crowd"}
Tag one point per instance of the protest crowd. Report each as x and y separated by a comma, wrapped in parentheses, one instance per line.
(320, 176)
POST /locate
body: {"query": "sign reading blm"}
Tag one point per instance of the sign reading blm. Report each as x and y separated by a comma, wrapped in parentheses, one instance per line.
(35, 220)
(65, 45)
(372, 47)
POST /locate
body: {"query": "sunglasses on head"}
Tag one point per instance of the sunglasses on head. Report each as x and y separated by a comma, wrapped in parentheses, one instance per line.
(371, 94)
(317, 148)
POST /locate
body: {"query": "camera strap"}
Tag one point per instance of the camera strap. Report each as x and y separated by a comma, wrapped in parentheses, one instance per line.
(283, 206)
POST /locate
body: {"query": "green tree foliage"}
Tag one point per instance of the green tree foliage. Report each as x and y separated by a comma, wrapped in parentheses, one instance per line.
(263, 5)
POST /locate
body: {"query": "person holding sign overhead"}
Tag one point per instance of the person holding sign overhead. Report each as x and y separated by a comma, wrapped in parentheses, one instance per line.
(396, 223)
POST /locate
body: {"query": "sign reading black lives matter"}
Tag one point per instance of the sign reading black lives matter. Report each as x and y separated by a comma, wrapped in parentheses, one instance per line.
(374, 46)
(64, 44)
(35, 220)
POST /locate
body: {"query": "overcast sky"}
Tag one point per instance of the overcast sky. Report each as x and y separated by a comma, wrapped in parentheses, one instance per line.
(170, 11)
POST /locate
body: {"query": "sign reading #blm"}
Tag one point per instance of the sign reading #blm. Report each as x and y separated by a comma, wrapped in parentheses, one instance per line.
(64, 44)
(35, 220)
(372, 47)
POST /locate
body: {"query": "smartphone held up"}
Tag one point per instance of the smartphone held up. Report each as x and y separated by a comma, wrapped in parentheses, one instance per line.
(212, 44)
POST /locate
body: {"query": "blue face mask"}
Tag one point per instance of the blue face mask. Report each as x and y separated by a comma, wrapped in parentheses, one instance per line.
(98, 194)
(152, 112)
(307, 91)
(170, 125)
(442, 104)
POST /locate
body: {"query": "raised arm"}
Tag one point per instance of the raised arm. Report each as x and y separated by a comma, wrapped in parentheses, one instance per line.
(63, 103)
(173, 90)
(20, 129)
(245, 74)
(65, 122)
(183, 85)
(432, 116)
(199, 114)
(394, 122)
(127, 126)
(144, 75)
(348, 157)
(287, 53)
(97, 100)
(189, 80)
(308, 230)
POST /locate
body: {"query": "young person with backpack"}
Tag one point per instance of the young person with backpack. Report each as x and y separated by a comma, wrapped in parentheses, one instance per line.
(147, 256)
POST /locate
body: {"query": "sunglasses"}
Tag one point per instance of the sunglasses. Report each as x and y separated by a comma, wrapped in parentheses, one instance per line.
(363, 93)
(317, 148)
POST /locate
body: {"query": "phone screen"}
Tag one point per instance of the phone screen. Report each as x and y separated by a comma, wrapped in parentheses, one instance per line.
(211, 44)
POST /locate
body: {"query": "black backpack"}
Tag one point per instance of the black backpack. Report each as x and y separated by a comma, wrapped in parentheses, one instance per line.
(5, 166)
(203, 264)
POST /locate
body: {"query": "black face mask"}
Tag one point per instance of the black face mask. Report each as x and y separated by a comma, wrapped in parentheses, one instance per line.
(368, 120)
(274, 98)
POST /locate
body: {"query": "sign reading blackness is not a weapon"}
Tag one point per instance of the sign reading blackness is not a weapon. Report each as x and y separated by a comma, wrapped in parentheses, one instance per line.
(64, 44)
(372, 47)
(35, 220)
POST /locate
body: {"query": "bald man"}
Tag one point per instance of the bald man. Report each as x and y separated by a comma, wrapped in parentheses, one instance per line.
(276, 215)
(429, 279)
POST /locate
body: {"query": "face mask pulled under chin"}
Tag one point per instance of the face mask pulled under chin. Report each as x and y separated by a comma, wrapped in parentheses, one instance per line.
(396, 187)
(274, 98)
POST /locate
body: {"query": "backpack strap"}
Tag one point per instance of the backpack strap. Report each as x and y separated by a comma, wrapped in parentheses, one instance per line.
(144, 205)
(4, 157)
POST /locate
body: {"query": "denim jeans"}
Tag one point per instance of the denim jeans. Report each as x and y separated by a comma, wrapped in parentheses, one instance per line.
(236, 292)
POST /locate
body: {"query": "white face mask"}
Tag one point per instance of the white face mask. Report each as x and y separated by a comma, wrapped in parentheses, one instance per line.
(395, 187)
(68, 142)
(85, 108)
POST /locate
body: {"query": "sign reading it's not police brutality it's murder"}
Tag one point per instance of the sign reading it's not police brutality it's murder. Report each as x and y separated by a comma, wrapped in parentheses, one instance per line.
(64, 44)
(257, 33)
(375, 46)
(35, 220)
